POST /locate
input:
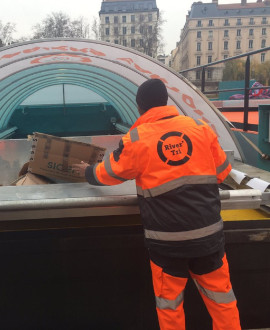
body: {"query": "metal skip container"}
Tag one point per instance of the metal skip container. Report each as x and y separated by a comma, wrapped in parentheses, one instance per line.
(73, 255)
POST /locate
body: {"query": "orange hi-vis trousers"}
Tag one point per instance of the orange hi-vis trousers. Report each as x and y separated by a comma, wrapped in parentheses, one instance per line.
(215, 289)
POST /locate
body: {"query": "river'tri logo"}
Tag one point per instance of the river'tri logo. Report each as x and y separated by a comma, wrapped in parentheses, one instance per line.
(174, 148)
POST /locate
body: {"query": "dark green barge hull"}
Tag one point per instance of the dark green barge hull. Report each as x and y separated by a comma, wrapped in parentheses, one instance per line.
(93, 273)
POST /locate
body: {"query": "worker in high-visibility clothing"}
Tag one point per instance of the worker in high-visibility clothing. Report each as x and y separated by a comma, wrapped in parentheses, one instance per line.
(177, 163)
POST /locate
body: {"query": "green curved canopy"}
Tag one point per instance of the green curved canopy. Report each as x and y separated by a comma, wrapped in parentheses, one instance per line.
(112, 71)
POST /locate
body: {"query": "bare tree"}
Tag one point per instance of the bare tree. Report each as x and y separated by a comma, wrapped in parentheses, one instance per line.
(234, 70)
(60, 25)
(80, 28)
(6, 32)
(150, 41)
(96, 29)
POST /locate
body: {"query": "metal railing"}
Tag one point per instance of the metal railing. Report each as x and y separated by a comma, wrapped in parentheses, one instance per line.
(246, 89)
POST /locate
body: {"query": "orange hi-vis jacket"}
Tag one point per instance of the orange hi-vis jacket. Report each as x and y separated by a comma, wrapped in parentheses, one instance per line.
(177, 163)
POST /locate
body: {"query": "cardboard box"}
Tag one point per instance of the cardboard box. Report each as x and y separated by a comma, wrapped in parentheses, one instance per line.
(30, 179)
(52, 156)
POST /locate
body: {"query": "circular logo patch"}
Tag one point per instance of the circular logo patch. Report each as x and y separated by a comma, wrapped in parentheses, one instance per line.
(174, 148)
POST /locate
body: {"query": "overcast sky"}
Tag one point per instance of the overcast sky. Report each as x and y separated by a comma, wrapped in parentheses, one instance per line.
(27, 13)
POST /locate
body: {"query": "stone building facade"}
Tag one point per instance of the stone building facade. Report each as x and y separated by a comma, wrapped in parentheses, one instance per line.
(130, 23)
(216, 31)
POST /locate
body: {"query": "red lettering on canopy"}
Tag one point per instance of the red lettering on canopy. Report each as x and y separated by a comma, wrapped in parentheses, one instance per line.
(95, 52)
(189, 101)
(11, 55)
(155, 76)
(199, 112)
(174, 89)
(60, 48)
(84, 50)
(214, 129)
(129, 60)
(32, 50)
(46, 48)
(61, 58)
(206, 120)
(141, 69)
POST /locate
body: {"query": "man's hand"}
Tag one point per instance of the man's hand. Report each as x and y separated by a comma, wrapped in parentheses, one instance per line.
(80, 168)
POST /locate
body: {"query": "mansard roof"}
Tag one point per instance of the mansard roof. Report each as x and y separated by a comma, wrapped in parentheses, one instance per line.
(200, 10)
(127, 6)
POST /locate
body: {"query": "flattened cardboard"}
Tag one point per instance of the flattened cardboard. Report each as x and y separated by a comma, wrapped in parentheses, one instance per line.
(30, 179)
(52, 156)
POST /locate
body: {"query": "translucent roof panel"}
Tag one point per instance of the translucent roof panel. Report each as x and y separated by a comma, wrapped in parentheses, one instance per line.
(64, 93)
(112, 71)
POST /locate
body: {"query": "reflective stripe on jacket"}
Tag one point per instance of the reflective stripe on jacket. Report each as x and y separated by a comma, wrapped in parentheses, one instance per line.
(177, 163)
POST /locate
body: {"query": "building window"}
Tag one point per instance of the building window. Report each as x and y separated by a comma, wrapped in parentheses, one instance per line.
(115, 19)
(238, 44)
(262, 57)
(263, 43)
(132, 18)
(150, 17)
(251, 32)
(125, 43)
(226, 33)
(199, 34)
(198, 75)
(209, 74)
(141, 18)
(226, 22)
(141, 42)
(210, 22)
(141, 29)
(124, 30)
(199, 23)
(132, 42)
(251, 20)
(225, 56)
(210, 34)
(263, 31)
(210, 45)
(116, 41)
(124, 19)
(150, 44)
(107, 31)
(264, 21)
(198, 46)
(250, 44)
(116, 31)
(133, 29)
(209, 59)
(150, 29)
(226, 45)
(107, 20)
(198, 60)
(238, 22)
(238, 33)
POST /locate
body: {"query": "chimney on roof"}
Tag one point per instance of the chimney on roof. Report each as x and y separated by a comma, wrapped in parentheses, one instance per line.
(243, 2)
(215, 1)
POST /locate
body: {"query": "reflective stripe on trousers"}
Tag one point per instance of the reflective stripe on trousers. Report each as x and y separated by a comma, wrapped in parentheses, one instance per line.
(169, 294)
(215, 289)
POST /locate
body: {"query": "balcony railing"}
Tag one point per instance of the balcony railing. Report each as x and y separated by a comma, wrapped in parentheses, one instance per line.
(246, 89)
